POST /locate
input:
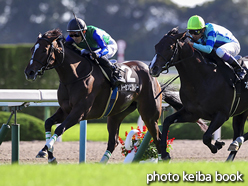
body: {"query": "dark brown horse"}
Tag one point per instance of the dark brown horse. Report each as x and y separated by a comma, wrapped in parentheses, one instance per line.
(84, 92)
(205, 92)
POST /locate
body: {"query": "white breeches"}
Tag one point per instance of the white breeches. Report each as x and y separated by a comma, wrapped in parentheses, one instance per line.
(232, 48)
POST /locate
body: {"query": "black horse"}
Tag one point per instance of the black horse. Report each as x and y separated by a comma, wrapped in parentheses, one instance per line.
(206, 92)
(84, 93)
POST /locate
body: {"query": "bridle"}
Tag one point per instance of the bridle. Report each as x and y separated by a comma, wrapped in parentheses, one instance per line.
(46, 66)
(171, 62)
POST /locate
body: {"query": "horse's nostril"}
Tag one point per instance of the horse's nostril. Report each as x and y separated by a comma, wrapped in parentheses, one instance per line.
(31, 73)
(154, 71)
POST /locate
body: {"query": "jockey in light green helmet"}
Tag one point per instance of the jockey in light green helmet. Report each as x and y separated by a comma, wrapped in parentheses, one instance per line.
(195, 23)
(209, 36)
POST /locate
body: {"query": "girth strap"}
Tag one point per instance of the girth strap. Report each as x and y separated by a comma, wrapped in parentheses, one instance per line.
(111, 102)
(236, 98)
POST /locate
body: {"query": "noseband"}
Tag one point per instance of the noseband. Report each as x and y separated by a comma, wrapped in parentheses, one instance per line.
(45, 66)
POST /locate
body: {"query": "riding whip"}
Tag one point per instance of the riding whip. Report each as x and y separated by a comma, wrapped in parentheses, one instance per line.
(83, 35)
(91, 52)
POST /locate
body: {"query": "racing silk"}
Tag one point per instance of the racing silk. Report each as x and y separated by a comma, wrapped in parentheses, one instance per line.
(96, 38)
(214, 36)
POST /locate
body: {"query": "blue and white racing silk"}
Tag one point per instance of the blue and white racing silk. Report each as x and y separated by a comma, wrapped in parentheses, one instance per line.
(216, 36)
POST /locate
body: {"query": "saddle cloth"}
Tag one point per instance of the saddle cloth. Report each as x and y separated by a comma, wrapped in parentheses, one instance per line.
(132, 80)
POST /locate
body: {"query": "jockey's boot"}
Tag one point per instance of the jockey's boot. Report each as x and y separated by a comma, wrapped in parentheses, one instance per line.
(115, 77)
(240, 71)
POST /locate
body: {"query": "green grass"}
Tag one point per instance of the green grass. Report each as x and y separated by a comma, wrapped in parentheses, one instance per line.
(98, 131)
(165, 77)
(116, 174)
(95, 132)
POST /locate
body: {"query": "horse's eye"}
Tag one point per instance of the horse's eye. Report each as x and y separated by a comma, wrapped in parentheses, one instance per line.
(44, 50)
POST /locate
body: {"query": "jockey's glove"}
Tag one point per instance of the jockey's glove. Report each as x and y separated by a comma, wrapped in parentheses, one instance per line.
(187, 40)
(94, 55)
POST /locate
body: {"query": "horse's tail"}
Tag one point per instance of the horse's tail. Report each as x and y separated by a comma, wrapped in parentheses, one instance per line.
(202, 124)
(170, 96)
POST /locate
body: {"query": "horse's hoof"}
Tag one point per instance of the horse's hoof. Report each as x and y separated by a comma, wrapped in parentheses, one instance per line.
(166, 157)
(51, 149)
(53, 161)
(234, 146)
(42, 154)
(219, 144)
(214, 149)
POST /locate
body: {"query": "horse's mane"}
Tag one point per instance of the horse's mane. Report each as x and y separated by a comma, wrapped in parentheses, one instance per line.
(72, 47)
(170, 33)
(53, 33)
(56, 33)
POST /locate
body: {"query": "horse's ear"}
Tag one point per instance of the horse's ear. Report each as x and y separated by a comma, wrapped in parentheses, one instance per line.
(173, 31)
(181, 37)
(39, 36)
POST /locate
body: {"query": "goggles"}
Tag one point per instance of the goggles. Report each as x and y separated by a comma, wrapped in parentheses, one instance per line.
(195, 32)
(75, 35)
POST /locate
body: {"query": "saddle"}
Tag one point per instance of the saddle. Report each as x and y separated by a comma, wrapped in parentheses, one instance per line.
(230, 76)
(128, 73)
(226, 69)
(131, 85)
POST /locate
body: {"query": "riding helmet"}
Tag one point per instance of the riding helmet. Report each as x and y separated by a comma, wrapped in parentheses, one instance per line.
(73, 25)
(195, 23)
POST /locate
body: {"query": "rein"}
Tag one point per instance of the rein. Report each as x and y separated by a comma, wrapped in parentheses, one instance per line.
(59, 62)
(166, 85)
(171, 62)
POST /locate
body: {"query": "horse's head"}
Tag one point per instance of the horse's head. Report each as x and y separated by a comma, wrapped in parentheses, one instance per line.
(47, 53)
(166, 52)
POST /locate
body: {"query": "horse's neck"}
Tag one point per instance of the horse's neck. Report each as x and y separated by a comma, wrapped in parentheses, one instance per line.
(193, 65)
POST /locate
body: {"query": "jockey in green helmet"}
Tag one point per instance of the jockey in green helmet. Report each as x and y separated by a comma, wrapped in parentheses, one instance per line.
(210, 36)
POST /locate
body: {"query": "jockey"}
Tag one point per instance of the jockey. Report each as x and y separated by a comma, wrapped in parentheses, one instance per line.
(103, 45)
(211, 36)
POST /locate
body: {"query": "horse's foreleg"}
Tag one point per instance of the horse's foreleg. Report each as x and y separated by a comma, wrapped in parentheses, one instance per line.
(235, 146)
(238, 131)
(48, 126)
(217, 121)
(234, 149)
(47, 150)
(238, 137)
(163, 143)
(179, 117)
(74, 117)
